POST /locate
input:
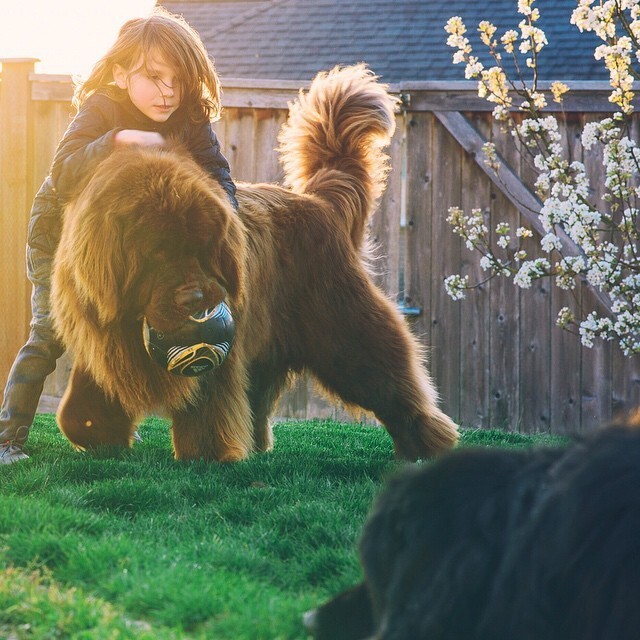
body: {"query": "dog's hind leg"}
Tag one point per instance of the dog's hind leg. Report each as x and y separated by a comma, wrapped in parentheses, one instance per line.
(364, 353)
(88, 418)
(218, 425)
(409, 411)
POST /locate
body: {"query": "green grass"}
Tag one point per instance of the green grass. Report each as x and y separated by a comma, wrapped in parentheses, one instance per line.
(136, 545)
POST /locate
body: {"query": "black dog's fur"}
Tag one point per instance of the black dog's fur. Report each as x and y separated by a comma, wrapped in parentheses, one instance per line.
(495, 544)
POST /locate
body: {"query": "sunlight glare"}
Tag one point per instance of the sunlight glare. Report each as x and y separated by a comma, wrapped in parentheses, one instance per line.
(68, 36)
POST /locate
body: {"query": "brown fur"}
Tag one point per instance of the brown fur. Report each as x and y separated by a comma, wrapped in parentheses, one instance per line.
(151, 227)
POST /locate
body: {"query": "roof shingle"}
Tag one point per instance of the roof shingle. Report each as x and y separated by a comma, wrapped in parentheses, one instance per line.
(402, 40)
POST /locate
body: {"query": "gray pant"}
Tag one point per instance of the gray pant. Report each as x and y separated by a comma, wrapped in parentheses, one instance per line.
(34, 362)
(37, 358)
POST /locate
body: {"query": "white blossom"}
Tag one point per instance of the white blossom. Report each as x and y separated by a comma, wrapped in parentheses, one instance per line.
(605, 232)
(486, 263)
(455, 286)
(531, 270)
(550, 243)
(590, 134)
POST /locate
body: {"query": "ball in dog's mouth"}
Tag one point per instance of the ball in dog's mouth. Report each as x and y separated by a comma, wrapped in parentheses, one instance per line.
(200, 345)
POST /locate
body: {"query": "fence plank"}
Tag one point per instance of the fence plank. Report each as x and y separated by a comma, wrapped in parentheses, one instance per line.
(445, 313)
(419, 215)
(535, 335)
(266, 163)
(50, 121)
(597, 399)
(565, 372)
(238, 142)
(385, 225)
(504, 399)
(475, 360)
(626, 375)
(596, 374)
(566, 352)
(16, 162)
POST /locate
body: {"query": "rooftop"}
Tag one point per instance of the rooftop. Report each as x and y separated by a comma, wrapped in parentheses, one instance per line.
(401, 41)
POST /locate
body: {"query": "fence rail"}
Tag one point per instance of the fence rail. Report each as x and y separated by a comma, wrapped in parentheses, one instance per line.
(496, 357)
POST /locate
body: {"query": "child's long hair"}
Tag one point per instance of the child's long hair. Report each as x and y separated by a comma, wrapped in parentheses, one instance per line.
(180, 45)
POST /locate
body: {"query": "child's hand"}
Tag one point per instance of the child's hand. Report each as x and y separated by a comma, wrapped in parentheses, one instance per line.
(141, 138)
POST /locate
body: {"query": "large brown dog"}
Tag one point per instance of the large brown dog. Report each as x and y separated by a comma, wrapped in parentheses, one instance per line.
(152, 235)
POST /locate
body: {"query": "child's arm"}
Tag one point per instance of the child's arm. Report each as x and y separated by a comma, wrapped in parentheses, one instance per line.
(205, 148)
(89, 139)
(139, 138)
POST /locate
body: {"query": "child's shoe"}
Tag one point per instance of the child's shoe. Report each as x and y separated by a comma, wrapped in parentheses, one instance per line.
(11, 452)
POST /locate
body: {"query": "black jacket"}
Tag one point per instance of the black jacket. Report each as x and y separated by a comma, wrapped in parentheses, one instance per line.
(88, 140)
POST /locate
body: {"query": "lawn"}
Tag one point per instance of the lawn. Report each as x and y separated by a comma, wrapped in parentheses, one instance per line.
(133, 544)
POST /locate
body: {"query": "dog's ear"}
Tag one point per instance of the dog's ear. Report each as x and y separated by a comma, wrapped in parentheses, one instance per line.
(101, 266)
(231, 260)
(225, 251)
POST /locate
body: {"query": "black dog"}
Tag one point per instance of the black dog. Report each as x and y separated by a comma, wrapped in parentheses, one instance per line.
(502, 545)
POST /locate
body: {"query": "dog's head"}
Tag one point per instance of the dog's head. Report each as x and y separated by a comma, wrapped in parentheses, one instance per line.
(152, 234)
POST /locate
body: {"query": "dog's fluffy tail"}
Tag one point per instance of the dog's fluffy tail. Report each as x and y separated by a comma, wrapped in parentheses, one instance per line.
(332, 144)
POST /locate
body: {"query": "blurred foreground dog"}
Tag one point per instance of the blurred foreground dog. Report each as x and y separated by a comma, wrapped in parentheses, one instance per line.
(152, 236)
(502, 545)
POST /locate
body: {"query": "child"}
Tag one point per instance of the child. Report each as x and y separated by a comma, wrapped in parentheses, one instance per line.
(155, 82)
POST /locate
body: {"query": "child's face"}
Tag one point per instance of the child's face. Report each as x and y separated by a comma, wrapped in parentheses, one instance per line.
(152, 86)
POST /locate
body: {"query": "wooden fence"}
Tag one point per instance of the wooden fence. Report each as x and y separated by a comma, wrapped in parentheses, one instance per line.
(496, 357)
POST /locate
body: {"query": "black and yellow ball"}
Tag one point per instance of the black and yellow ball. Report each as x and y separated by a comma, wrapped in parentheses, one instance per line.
(200, 345)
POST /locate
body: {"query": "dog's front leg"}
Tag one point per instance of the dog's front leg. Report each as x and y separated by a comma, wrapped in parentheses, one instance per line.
(88, 418)
(217, 426)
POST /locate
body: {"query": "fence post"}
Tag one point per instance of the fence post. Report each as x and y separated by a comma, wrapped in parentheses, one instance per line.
(16, 161)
